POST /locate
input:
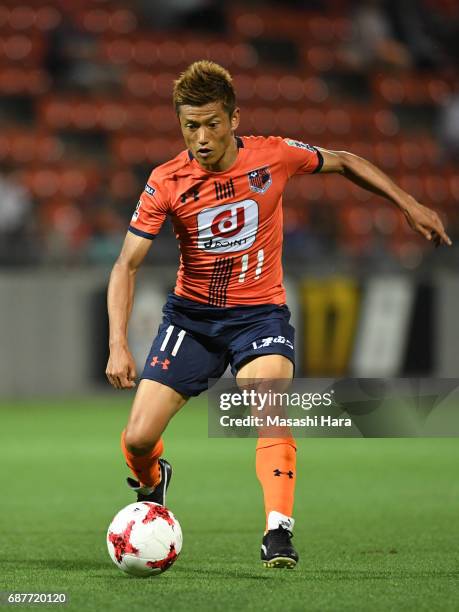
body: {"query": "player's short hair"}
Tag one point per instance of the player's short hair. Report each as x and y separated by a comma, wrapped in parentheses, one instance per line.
(204, 82)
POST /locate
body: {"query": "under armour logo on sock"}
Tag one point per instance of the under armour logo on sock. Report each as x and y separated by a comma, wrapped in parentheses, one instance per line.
(277, 472)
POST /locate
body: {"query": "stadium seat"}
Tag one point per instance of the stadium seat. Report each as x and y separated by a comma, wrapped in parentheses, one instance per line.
(140, 84)
(98, 21)
(310, 190)
(316, 90)
(356, 226)
(118, 51)
(411, 154)
(123, 184)
(23, 48)
(289, 121)
(386, 155)
(144, 52)
(412, 184)
(453, 181)
(245, 86)
(244, 56)
(436, 188)
(163, 119)
(313, 122)
(170, 54)
(263, 120)
(336, 188)
(21, 17)
(338, 122)
(139, 115)
(112, 116)
(25, 147)
(291, 88)
(267, 88)
(129, 149)
(163, 84)
(319, 58)
(320, 29)
(28, 81)
(85, 115)
(47, 18)
(386, 123)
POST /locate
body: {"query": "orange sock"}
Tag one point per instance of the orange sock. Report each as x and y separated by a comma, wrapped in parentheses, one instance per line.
(276, 471)
(144, 467)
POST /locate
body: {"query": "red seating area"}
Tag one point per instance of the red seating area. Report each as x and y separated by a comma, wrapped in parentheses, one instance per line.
(140, 126)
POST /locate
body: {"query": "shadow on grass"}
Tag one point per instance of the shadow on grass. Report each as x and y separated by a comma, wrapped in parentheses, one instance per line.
(88, 565)
(183, 572)
(57, 564)
(327, 575)
(223, 572)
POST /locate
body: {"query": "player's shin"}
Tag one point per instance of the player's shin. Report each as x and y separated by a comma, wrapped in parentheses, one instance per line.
(276, 471)
(145, 467)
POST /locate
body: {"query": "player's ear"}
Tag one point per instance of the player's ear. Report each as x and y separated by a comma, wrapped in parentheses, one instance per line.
(235, 118)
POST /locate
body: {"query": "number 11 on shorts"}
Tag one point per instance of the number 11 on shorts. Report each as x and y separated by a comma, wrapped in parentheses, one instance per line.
(178, 342)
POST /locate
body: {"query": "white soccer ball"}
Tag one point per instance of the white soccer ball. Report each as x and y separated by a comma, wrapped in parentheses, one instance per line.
(144, 539)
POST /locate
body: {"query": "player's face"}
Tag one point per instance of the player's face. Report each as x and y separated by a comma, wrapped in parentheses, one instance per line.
(209, 134)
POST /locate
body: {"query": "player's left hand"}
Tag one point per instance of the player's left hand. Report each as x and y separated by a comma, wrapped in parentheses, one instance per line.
(426, 222)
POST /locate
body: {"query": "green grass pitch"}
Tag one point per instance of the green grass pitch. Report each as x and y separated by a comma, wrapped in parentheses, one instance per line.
(377, 520)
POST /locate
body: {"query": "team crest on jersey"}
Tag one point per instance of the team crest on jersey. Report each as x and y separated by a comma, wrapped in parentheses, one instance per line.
(299, 145)
(149, 190)
(136, 214)
(260, 179)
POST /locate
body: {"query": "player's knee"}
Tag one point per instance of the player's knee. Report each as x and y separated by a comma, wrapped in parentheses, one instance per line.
(137, 442)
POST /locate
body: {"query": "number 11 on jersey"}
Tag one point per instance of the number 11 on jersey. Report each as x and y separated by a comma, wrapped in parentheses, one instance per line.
(245, 265)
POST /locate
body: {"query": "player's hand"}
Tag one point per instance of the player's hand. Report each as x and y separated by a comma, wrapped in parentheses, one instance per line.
(120, 370)
(426, 222)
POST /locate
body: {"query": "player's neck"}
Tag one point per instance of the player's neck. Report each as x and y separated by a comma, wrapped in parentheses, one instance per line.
(226, 160)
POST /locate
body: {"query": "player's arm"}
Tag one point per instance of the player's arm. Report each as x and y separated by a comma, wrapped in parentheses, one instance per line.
(121, 367)
(363, 173)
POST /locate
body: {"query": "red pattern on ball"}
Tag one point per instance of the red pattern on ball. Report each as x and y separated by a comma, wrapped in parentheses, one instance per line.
(164, 564)
(155, 512)
(122, 542)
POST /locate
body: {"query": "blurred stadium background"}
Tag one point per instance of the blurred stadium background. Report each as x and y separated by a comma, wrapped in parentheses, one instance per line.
(85, 114)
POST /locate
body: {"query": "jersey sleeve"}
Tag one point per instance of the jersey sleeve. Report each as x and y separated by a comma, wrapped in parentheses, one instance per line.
(299, 157)
(151, 210)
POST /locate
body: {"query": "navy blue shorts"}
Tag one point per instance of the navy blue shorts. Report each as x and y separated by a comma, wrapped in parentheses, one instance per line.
(196, 342)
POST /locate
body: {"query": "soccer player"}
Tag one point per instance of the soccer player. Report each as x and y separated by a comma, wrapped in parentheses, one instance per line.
(224, 196)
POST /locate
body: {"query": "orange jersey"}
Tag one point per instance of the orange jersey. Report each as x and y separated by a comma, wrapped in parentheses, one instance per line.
(228, 224)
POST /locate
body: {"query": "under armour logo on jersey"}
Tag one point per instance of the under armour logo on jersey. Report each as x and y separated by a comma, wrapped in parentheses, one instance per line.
(224, 190)
(191, 193)
(277, 472)
(164, 364)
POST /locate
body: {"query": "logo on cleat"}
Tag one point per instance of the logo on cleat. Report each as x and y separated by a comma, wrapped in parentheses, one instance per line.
(164, 364)
(277, 472)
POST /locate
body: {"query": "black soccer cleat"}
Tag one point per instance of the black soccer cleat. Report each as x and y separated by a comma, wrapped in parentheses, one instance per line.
(277, 549)
(158, 495)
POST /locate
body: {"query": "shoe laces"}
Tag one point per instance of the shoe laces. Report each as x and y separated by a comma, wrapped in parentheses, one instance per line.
(280, 536)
